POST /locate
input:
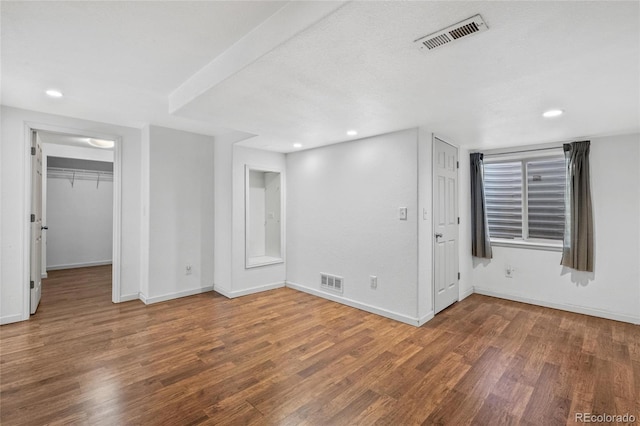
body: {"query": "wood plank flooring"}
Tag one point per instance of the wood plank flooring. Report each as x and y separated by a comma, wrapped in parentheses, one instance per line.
(288, 358)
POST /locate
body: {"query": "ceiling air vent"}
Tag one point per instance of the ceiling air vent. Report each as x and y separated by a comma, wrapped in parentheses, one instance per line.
(462, 29)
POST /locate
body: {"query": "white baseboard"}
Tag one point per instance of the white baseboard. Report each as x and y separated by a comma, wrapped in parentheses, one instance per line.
(233, 294)
(8, 319)
(466, 294)
(129, 297)
(78, 265)
(362, 306)
(223, 291)
(562, 306)
(426, 318)
(44, 275)
(163, 298)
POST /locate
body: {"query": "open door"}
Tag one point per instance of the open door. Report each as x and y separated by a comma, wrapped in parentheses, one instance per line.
(36, 222)
(445, 224)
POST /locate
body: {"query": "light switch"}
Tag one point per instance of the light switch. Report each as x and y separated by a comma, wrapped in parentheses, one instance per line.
(402, 213)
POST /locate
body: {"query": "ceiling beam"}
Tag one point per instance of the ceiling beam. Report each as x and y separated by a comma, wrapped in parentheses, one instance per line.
(293, 18)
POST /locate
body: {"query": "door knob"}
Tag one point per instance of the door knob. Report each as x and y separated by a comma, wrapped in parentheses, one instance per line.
(438, 235)
(44, 227)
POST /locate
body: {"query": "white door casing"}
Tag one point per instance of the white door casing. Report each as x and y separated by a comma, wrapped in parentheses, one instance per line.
(31, 127)
(36, 222)
(445, 224)
(43, 263)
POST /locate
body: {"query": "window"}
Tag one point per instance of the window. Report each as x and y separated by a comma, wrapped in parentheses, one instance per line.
(525, 197)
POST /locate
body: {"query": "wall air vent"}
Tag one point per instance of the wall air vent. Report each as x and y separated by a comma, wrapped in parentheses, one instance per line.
(462, 29)
(331, 282)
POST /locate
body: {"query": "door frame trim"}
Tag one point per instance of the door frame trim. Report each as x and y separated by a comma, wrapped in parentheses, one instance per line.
(433, 222)
(117, 207)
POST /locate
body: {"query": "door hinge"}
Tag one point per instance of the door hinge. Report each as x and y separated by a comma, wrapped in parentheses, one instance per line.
(33, 150)
(32, 284)
(457, 164)
(458, 220)
(33, 218)
(458, 275)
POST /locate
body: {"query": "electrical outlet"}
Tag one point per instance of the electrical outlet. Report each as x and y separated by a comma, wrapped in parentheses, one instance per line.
(508, 272)
(188, 269)
(374, 281)
(402, 213)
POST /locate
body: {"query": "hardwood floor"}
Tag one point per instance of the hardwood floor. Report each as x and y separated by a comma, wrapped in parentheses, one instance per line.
(287, 358)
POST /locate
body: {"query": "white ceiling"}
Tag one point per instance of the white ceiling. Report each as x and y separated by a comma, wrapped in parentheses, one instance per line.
(116, 61)
(308, 72)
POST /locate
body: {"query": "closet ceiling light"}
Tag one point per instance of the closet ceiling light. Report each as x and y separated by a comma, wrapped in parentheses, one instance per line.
(297, 145)
(101, 143)
(553, 113)
(352, 133)
(54, 93)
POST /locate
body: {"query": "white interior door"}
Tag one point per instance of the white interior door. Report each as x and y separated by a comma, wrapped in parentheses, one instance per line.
(36, 222)
(445, 224)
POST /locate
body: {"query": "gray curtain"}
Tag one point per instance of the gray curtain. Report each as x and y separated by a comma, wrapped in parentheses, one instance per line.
(480, 243)
(577, 250)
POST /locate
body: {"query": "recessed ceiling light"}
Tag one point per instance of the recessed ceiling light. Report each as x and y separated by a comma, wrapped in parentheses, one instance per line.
(352, 133)
(553, 113)
(297, 145)
(101, 143)
(54, 93)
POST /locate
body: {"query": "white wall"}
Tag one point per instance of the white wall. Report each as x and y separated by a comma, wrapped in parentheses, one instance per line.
(613, 290)
(342, 219)
(14, 226)
(80, 222)
(180, 214)
(246, 281)
(425, 225)
(223, 215)
(464, 230)
(145, 150)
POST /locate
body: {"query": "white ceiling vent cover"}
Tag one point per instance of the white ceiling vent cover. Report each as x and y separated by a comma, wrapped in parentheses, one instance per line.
(462, 29)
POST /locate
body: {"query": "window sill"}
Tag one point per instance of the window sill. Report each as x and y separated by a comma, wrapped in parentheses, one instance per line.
(535, 245)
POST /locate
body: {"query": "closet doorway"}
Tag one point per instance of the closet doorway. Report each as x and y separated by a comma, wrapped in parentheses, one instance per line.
(78, 218)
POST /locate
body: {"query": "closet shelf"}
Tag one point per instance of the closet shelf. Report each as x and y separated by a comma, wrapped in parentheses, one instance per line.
(77, 174)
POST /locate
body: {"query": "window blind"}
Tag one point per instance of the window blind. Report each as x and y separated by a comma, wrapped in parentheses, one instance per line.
(545, 198)
(503, 194)
(525, 198)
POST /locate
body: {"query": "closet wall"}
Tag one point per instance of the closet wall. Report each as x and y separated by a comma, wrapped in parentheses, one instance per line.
(79, 214)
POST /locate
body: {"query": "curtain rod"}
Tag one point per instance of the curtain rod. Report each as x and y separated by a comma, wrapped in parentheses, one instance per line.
(523, 150)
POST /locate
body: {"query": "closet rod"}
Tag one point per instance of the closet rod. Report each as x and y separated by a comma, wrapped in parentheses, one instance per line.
(93, 172)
